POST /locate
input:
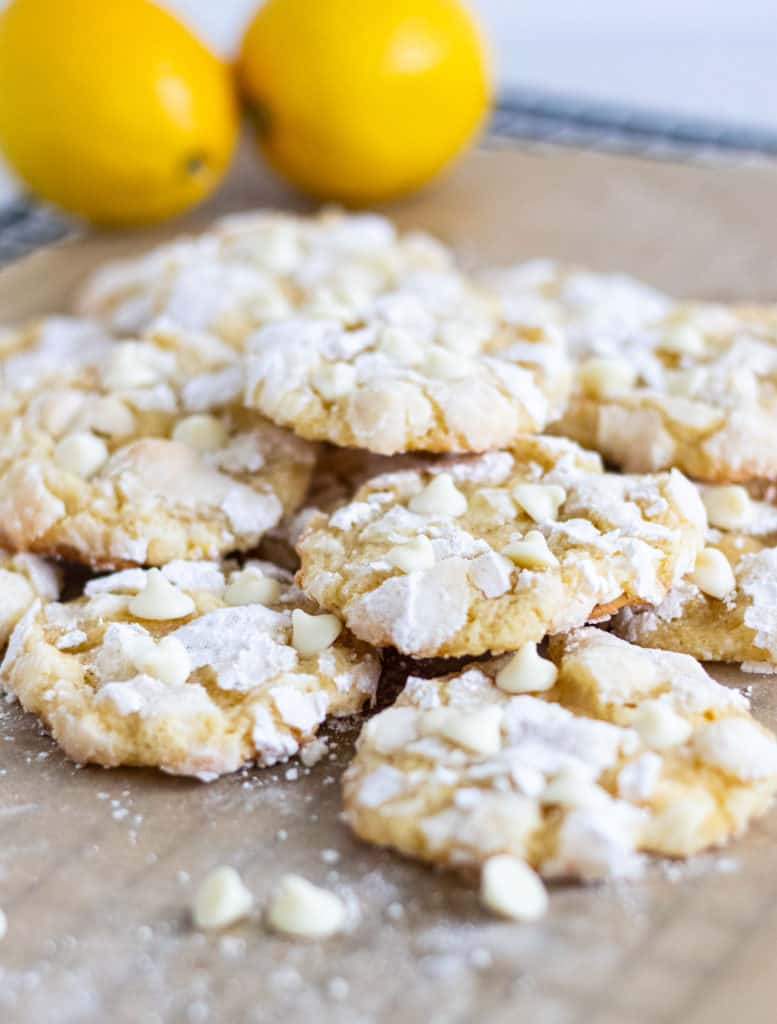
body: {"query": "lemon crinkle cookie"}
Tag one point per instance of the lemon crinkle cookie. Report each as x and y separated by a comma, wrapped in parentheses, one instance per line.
(430, 366)
(197, 668)
(49, 346)
(578, 766)
(489, 552)
(135, 459)
(726, 609)
(24, 579)
(253, 268)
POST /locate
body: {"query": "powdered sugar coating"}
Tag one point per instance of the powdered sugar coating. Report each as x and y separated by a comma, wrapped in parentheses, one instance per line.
(614, 540)
(430, 366)
(573, 787)
(96, 464)
(254, 268)
(239, 693)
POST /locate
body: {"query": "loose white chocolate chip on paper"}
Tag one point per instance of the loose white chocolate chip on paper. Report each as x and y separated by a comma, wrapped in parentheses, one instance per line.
(510, 888)
(302, 910)
(221, 899)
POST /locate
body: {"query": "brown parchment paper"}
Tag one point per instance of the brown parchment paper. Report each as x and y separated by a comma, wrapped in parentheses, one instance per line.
(97, 868)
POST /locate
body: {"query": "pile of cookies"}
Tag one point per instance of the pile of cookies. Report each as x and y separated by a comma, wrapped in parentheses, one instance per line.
(292, 446)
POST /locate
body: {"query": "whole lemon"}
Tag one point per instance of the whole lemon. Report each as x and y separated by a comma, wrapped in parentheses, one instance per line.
(361, 101)
(112, 109)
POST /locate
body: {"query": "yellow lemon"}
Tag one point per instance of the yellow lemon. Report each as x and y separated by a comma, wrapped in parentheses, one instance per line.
(112, 109)
(358, 100)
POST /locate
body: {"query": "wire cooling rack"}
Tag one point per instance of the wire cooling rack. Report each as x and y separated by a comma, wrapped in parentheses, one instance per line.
(523, 116)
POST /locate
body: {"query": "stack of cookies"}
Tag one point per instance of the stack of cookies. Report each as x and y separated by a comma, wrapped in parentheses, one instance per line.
(555, 484)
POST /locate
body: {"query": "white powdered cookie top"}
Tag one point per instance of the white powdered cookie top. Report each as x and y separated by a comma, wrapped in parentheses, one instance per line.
(429, 366)
(631, 751)
(197, 669)
(108, 464)
(23, 579)
(487, 553)
(254, 268)
(48, 348)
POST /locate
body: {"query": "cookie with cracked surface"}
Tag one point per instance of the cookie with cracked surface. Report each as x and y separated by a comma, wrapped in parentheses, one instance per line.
(580, 767)
(131, 460)
(24, 579)
(249, 269)
(45, 348)
(486, 553)
(726, 610)
(430, 367)
(696, 389)
(198, 668)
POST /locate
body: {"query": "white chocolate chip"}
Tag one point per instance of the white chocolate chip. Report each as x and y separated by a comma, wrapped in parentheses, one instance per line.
(531, 553)
(203, 432)
(127, 368)
(160, 599)
(441, 362)
(683, 339)
(540, 501)
(333, 380)
(713, 574)
(305, 911)
(167, 660)
(400, 346)
(478, 731)
(728, 508)
(311, 634)
(221, 899)
(440, 497)
(510, 888)
(573, 789)
(412, 556)
(526, 672)
(659, 726)
(252, 587)
(81, 454)
(393, 729)
(603, 378)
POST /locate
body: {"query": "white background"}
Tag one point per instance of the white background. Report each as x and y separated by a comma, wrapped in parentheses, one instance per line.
(706, 58)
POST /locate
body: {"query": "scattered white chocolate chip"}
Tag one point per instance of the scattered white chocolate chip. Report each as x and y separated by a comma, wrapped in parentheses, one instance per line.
(444, 363)
(526, 672)
(221, 899)
(82, 454)
(303, 910)
(160, 599)
(203, 432)
(713, 574)
(311, 634)
(478, 731)
(573, 789)
(659, 726)
(167, 660)
(440, 497)
(510, 888)
(413, 555)
(252, 587)
(603, 378)
(540, 501)
(333, 380)
(728, 508)
(531, 553)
